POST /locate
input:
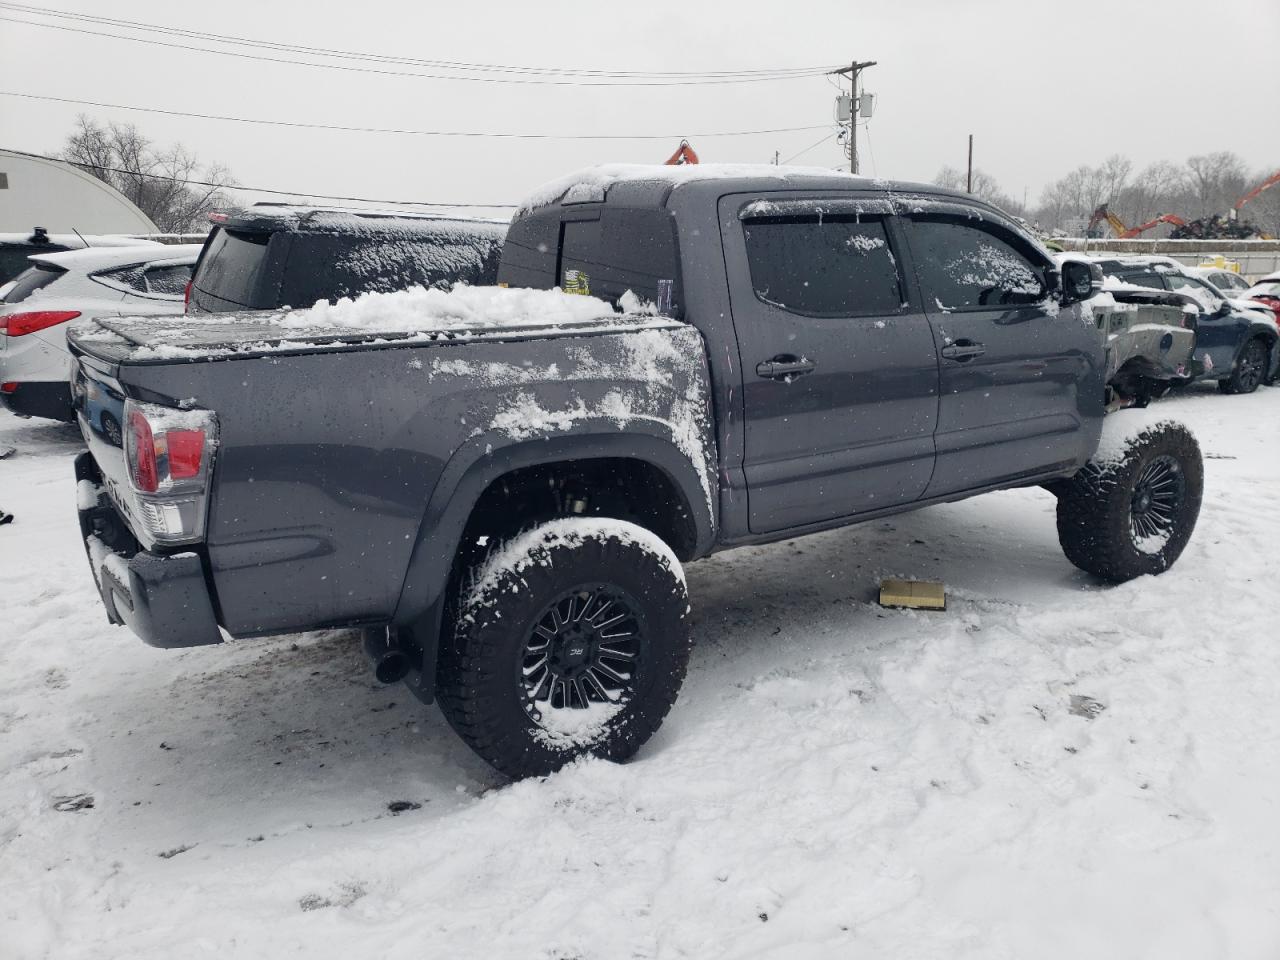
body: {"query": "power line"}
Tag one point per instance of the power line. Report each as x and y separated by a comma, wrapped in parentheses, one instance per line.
(279, 193)
(550, 81)
(810, 147)
(410, 61)
(417, 133)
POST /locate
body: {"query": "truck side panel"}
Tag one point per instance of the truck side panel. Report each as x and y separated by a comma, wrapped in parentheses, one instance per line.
(327, 461)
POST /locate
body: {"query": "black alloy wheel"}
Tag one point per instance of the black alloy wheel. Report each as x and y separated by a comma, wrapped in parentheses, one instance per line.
(1157, 498)
(587, 647)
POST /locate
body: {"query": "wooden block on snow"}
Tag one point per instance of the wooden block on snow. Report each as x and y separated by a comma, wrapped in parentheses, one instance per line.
(918, 594)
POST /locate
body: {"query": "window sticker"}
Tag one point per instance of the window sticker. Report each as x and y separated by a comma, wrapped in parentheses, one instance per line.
(576, 281)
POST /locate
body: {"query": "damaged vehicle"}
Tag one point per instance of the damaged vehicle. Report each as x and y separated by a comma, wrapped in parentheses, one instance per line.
(499, 486)
(1149, 336)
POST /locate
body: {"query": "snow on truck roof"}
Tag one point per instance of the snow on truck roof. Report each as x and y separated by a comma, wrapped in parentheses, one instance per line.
(289, 216)
(591, 183)
(417, 314)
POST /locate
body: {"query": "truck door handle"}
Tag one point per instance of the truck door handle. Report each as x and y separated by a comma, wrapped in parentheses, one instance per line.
(783, 366)
(962, 351)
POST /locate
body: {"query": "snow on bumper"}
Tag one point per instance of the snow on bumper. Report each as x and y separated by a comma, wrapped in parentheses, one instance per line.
(164, 599)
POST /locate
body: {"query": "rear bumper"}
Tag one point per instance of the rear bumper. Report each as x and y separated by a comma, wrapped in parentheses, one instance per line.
(164, 599)
(39, 399)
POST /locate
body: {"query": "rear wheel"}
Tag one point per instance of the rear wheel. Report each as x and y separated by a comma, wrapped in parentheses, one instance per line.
(573, 639)
(1250, 370)
(1132, 513)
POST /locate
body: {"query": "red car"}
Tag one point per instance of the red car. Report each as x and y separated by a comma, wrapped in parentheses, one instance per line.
(1267, 290)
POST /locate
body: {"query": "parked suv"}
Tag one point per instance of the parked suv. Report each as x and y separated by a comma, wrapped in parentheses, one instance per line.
(58, 288)
(272, 255)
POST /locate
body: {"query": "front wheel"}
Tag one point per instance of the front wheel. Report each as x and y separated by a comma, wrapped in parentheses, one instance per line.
(1131, 510)
(572, 639)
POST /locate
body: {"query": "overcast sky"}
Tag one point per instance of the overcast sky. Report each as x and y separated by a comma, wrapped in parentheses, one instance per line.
(1043, 87)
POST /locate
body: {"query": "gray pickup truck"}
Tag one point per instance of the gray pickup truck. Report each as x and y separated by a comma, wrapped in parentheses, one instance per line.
(498, 486)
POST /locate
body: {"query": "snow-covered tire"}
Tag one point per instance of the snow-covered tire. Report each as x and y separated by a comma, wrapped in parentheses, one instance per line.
(1250, 369)
(1132, 509)
(589, 609)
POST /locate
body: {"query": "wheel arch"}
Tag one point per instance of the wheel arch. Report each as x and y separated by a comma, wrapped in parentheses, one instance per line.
(480, 465)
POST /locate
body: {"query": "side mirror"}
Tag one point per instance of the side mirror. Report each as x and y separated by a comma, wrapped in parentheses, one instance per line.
(1080, 281)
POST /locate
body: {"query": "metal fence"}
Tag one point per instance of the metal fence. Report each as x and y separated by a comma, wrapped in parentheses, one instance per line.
(1256, 257)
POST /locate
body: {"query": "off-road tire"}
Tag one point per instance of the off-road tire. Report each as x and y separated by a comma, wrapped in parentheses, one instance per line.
(1250, 368)
(480, 687)
(1097, 507)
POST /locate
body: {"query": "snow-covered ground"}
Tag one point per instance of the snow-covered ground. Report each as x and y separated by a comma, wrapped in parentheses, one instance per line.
(836, 780)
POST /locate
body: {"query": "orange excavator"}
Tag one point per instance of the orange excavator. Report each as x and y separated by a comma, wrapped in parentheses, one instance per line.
(684, 154)
(1266, 184)
(1123, 232)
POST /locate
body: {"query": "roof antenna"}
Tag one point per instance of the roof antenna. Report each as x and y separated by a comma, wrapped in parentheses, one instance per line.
(81, 236)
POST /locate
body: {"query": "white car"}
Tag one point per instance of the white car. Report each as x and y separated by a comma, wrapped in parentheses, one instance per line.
(60, 287)
(1229, 282)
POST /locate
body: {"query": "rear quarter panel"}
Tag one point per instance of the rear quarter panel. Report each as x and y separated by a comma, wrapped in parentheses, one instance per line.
(327, 461)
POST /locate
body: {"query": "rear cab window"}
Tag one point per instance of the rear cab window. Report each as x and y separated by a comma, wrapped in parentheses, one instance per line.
(327, 266)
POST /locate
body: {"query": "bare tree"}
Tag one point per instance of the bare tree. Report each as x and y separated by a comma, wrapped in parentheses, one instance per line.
(985, 186)
(1217, 181)
(161, 182)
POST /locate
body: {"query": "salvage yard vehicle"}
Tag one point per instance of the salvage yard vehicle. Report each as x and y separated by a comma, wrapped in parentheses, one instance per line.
(1149, 336)
(275, 255)
(1236, 343)
(57, 288)
(499, 485)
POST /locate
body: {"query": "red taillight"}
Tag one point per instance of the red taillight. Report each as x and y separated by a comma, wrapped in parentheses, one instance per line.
(143, 462)
(9, 386)
(186, 449)
(186, 296)
(20, 324)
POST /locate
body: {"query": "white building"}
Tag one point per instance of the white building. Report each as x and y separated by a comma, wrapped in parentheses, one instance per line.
(35, 192)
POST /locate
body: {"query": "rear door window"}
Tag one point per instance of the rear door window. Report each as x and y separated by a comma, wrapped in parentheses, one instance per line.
(824, 266)
(167, 281)
(232, 271)
(122, 279)
(966, 264)
(31, 280)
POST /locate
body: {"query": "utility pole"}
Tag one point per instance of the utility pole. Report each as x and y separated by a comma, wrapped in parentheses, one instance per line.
(969, 179)
(853, 72)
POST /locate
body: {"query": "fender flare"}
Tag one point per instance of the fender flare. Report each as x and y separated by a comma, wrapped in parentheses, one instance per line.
(485, 458)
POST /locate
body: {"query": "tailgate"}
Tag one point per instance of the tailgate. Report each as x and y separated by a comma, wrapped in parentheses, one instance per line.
(98, 401)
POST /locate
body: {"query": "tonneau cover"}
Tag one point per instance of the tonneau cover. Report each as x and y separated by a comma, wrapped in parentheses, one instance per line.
(407, 317)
